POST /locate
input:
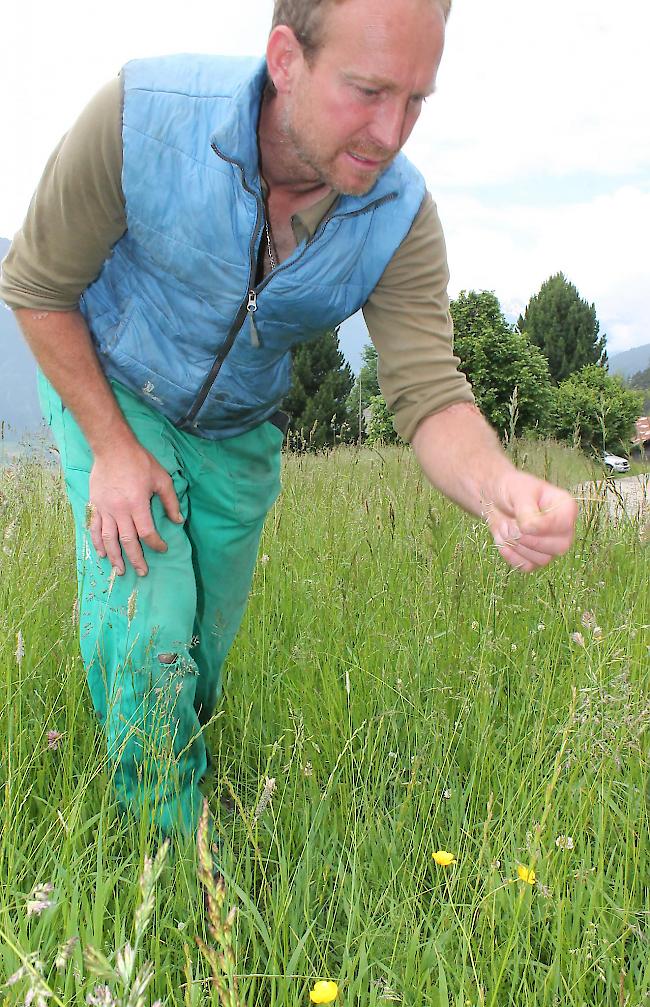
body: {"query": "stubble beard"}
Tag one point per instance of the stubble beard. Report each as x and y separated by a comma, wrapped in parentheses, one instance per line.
(323, 167)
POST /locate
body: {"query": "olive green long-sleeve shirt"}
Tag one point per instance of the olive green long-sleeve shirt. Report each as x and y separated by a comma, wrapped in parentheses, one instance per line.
(78, 213)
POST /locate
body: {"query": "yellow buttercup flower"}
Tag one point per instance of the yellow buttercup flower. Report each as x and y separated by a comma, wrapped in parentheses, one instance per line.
(443, 858)
(526, 874)
(324, 992)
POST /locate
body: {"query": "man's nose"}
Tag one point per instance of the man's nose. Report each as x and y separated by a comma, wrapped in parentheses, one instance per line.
(388, 126)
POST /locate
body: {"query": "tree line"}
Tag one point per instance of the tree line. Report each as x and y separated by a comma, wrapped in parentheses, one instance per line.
(546, 374)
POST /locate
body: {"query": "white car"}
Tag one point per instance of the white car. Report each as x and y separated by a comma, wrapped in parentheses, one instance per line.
(614, 463)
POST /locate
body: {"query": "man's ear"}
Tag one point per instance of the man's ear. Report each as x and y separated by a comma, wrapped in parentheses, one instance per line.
(284, 58)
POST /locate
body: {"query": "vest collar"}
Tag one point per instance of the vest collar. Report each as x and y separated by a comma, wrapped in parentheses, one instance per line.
(236, 137)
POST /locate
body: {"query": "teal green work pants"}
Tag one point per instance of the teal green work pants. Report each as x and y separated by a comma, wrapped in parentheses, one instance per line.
(187, 609)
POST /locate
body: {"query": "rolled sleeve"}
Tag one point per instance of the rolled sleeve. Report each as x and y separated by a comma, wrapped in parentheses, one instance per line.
(410, 324)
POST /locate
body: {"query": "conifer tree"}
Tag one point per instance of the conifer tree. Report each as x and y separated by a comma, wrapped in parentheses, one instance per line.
(321, 384)
(565, 328)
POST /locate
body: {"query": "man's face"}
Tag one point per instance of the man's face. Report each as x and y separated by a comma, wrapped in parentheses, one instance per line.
(353, 108)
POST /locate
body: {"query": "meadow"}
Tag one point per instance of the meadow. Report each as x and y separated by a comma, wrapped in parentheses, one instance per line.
(408, 694)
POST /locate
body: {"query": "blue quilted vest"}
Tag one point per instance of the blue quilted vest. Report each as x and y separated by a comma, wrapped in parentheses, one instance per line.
(175, 313)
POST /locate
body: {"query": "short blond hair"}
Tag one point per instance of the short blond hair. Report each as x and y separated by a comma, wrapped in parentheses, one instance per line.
(305, 18)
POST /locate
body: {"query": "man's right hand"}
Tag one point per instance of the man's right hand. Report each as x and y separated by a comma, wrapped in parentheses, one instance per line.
(125, 476)
(122, 484)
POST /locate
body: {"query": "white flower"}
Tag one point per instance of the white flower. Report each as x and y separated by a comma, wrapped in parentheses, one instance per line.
(578, 638)
(564, 843)
(265, 558)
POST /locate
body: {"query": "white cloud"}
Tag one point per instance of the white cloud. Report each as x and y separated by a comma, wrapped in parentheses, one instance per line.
(600, 245)
(560, 86)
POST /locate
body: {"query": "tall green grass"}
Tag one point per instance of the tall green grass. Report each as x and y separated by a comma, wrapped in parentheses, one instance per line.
(408, 693)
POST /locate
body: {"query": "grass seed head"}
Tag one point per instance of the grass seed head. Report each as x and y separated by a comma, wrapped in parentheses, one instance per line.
(65, 953)
(39, 899)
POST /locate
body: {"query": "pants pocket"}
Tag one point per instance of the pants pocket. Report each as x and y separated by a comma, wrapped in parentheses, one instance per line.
(254, 463)
(73, 447)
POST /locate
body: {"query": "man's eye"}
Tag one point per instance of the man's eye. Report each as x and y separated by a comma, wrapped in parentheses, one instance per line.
(368, 92)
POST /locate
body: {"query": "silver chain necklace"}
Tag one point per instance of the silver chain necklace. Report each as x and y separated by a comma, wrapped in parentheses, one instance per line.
(269, 244)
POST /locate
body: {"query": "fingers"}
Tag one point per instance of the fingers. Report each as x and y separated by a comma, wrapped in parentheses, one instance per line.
(528, 552)
(94, 524)
(110, 543)
(119, 517)
(115, 539)
(525, 559)
(554, 516)
(166, 492)
(123, 536)
(130, 542)
(513, 559)
(146, 530)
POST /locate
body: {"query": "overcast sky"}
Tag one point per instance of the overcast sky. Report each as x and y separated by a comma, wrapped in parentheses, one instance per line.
(536, 146)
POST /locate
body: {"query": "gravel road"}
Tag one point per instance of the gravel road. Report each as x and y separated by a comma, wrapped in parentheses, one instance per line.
(628, 497)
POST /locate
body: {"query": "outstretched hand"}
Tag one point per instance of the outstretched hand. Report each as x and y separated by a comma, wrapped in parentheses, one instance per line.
(121, 487)
(531, 521)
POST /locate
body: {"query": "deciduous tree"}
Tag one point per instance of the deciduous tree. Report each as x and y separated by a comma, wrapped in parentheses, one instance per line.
(596, 410)
(641, 382)
(498, 359)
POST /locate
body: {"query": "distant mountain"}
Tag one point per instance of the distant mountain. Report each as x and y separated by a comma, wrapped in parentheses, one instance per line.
(20, 413)
(630, 361)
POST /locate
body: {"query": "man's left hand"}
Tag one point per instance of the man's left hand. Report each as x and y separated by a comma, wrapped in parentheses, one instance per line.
(531, 521)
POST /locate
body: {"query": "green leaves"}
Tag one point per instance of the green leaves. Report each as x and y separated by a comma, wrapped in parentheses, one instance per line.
(498, 359)
(594, 409)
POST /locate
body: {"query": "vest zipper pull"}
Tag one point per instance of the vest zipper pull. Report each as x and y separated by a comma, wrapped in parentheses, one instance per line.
(251, 308)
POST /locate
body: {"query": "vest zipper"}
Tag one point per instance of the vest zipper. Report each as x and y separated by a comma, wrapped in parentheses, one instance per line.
(251, 308)
(243, 309)
(249, 305)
